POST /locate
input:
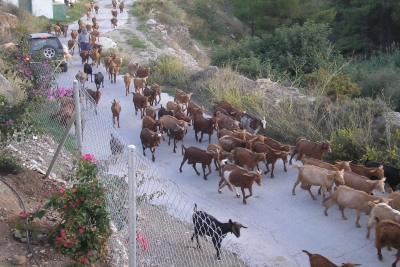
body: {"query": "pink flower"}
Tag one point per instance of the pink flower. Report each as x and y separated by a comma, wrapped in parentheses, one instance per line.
(89, 253)
(73, 190)
(46, 194)
(77, 200)
(65, 244)
(82, 229)
(65, 206)
(85, 260)
(143, 240)
(90, 158)
(82, 198)
(62, 190)
(39, 207)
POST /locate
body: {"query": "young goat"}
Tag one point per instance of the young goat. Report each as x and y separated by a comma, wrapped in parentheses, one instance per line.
(95, 95)
(205, 224)
(317, 260)
(116, 110)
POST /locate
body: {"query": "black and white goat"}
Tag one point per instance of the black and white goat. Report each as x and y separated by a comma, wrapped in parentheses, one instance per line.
(251, 123)
(205, 224)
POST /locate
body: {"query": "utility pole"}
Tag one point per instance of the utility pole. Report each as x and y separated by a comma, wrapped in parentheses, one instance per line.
(252, 23)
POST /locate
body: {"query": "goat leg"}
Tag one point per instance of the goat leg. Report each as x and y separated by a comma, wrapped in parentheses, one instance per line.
(194, 167)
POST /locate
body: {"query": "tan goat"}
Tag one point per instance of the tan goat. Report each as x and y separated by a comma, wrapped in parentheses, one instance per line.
(313, 175)
(127, 81)
(347, 197)
(116, 110)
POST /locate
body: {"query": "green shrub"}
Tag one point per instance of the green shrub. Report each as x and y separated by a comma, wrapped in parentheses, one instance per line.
(333, 85)
(167, 70)
(349, 144)
(9, 163)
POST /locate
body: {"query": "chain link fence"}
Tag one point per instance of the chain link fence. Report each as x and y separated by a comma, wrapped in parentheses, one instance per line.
(163, 212)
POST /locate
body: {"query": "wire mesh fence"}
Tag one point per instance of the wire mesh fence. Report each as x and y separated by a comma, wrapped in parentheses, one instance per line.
(163, 212)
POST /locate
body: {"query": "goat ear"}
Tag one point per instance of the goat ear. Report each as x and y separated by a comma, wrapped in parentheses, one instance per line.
(230, 221)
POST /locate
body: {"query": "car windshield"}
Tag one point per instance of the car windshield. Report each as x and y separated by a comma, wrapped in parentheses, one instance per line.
(37, 44)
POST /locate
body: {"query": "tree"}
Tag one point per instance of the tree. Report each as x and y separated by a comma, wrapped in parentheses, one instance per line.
(271, 14)
(366, 25)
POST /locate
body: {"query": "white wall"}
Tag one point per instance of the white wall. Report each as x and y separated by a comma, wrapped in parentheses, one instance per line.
(15, 2)
(42, 8)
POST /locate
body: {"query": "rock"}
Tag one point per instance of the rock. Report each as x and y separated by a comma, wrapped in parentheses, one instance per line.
(18, 260)
(40, 159)
(160, 27)
(17, 234)
(389, 121)
(23, 240)
(42, 251)
(151, 22)
(7, 21)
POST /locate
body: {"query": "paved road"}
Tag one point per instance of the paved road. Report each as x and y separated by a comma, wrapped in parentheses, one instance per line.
(280, 224)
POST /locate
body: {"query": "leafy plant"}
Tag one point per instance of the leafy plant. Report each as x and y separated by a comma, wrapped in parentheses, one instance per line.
(8, 162)
(33, 79)
(84, 226)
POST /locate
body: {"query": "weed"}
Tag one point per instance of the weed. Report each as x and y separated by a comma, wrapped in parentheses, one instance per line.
(9, 162)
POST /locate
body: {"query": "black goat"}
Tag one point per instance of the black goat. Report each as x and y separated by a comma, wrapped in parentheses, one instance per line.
(163, 111)
(116, 145)
(99, 79)
(205, 224)
(88, 70)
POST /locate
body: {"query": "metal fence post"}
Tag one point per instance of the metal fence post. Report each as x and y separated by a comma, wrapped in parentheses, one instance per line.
(78, 128)
(132, 205)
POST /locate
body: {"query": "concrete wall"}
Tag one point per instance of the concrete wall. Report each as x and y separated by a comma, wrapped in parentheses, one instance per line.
(42, 8)
(39, 7)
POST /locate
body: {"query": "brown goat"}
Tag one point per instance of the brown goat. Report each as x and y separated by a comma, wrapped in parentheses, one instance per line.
(238, 134)
(151, 112)
(272, 156)
(249, 158)
(95, 97)
(204, 126)
(195, 155)
(116, 110)
(233, 176)
(387, 233)
(229, 143)
(317, 260)
(311, 149)
(150, 123)
(276, 145)
(368, 171)
(193, 110)
(177, 133)
(395, 196)
(150, 139)
(222, 155)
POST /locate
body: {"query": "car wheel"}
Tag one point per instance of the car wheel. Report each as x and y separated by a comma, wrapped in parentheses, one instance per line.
(64, 67)
(49, 51)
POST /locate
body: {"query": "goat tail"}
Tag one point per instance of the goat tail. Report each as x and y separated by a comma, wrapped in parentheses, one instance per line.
(308, 253)
(195, 207)
(296, 166)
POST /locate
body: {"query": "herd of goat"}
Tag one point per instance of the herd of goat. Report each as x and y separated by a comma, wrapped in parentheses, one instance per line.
(350, 185)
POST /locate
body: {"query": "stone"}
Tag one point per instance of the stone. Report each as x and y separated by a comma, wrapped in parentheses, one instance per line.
(23, 240)
(18, 260)
(17, 234)
(151, 22)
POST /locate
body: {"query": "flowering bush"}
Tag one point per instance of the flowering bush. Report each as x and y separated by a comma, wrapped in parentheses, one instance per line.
(84, 226)
(32, 79)
(58, 92)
